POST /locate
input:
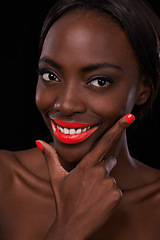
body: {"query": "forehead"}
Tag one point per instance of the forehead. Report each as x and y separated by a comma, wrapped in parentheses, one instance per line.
(87, 36)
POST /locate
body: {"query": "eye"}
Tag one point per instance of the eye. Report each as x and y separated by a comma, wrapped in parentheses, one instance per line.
(101, 82)
(50, 76)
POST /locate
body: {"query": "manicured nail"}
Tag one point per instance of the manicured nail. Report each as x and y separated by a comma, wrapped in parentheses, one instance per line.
(39, 145)
(130, 118)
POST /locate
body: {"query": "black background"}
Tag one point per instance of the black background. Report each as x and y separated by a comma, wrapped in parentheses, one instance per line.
(20, 121)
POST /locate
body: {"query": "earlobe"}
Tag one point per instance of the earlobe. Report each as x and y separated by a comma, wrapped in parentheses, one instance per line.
(144, 91)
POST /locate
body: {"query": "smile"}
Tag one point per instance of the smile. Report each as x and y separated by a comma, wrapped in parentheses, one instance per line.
(72, 133)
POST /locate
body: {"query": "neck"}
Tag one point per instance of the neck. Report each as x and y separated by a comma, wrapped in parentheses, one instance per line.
(125, 170)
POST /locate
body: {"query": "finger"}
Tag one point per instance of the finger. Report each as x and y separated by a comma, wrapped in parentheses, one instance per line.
(56, 171)
(108, 140)
(109, 164)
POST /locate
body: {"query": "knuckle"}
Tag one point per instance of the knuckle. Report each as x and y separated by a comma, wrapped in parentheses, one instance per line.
(101, 171)
(112, 182)
(83, 167)
(84, 164)
(109, 137)
(117, 194)
(114, 192)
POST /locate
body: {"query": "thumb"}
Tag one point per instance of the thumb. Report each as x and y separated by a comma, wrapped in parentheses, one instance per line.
(56, 171)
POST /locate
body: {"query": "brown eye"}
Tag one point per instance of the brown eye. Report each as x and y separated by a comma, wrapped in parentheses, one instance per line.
(50, 76)
(100, 82)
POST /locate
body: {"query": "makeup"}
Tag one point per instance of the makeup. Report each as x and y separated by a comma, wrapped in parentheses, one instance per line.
(39, 145)
(72, 133)
(129, 118)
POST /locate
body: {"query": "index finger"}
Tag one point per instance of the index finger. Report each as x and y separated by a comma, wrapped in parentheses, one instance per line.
(108, 140)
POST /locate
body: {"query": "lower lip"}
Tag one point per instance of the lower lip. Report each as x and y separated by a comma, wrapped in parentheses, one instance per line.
(72, 139)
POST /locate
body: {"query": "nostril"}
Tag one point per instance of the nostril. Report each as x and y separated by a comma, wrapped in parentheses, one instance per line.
(57, 107)
(70, 105)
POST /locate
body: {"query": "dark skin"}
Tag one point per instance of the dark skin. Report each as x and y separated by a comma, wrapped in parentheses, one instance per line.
(94, 197)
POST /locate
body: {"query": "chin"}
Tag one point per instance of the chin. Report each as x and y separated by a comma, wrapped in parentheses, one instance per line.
(71, 155)
(73, 152)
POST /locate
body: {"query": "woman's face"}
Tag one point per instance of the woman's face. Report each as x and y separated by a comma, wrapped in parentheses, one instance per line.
(87, 74)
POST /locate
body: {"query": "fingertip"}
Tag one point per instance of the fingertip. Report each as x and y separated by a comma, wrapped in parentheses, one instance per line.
(129, 118)
(51, 158)
(45, 148)
(39, 145)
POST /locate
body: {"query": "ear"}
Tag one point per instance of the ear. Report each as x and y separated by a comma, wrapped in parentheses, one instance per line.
(144, 91)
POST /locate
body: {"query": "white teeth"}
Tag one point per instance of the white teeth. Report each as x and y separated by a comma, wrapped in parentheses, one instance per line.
(84, 130)
(66, 131)
(72, 131)
(61, 129)
(79, 131)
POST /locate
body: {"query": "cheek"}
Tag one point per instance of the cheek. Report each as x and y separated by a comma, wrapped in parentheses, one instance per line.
(115, 104)
(44, 97)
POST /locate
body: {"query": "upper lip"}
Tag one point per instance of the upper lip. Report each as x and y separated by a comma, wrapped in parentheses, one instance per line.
(71, 124)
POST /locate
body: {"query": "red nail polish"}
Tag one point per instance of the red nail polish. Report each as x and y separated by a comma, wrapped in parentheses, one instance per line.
(39, 145)
(129, 118)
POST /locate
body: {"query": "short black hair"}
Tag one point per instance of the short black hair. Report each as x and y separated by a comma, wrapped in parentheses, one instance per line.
(141, 25)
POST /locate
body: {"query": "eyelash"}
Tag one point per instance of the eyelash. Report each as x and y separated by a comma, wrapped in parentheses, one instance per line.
(102, 79)
(41, 72)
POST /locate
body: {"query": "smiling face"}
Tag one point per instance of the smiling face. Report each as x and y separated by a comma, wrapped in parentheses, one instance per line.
(87, 74)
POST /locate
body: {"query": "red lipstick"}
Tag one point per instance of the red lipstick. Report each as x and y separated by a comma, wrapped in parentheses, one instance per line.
(72, 124)
(72, 133)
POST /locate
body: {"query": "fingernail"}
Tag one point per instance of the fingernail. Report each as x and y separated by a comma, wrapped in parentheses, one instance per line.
(39, 145)
(129, 118)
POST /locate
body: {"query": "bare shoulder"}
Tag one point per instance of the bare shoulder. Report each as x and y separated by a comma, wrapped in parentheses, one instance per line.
(31, 160)
(146, 174)
(8, 164)
(34, 162)
(7, 160)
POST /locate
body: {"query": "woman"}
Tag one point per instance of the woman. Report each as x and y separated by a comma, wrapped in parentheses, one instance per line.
(99, 62)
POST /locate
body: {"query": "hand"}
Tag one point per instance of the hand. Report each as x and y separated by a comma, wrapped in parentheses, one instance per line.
(87, 196)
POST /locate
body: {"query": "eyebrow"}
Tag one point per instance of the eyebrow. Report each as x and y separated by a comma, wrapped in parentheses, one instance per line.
(50, 61)
(89, 68)
(101, 65)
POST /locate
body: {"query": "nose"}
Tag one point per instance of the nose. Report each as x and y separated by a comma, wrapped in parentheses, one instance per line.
(70, 101)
